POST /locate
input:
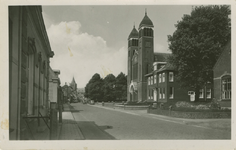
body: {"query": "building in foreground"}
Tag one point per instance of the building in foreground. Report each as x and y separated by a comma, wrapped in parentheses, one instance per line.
(29, 54)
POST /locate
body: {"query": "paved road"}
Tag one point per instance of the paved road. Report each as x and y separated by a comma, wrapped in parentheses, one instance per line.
(98, 122)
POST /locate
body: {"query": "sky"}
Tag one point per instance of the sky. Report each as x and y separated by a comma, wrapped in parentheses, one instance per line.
(93, 39)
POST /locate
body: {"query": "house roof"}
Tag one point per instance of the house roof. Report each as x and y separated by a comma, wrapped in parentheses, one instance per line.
(161, 57)
(226, 48)
(168, 66)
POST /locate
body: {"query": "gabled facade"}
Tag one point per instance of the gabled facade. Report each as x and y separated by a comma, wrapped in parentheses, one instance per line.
(162, 85)
(222, 77)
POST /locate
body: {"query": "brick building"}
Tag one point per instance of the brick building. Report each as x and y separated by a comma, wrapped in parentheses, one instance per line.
(149, 77)
(29, 54)
(222, 77)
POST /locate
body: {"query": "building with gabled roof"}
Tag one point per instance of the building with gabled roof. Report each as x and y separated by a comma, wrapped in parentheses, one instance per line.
(150, 77)
(222, 77)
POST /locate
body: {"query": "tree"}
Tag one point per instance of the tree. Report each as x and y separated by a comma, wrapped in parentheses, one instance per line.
(121, 86)
(197, 43)
(109, 87)
(93, 89)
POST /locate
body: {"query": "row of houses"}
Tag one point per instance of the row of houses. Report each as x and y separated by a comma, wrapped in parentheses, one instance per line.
(150, 78)
(33, 84)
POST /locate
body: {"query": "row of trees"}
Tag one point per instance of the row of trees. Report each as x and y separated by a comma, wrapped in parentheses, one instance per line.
(110, 88)
(197, 43)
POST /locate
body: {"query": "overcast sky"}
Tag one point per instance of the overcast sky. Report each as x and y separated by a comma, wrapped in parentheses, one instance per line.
(93, 39)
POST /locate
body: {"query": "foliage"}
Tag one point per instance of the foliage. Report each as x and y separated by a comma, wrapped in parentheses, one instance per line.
(121, 86)
(93, 88)
(197, 43)
(110, 88)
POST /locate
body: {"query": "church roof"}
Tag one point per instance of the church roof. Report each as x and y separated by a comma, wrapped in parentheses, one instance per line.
(146, 21)
(73, 80)
(133, 34)
(161, 57)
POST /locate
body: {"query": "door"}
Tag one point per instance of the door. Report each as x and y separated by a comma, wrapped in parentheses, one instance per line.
(155, 94)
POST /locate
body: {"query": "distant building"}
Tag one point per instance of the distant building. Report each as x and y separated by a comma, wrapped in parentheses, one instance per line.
(222, 77)
(70, 91)
(29, 54)
(54, 85)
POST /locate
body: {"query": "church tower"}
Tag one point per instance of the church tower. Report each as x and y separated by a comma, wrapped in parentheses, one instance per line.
(145, 55)
(132, 46)
(73, 84)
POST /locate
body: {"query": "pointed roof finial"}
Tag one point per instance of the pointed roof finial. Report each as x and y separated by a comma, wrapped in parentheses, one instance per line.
(134, 24)
(145, 11)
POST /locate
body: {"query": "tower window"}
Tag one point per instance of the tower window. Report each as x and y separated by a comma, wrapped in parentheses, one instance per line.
(148, 32)
(134, 42)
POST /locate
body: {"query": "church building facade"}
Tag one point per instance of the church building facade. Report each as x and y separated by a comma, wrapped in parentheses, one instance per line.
(150, 77)
(140, 59)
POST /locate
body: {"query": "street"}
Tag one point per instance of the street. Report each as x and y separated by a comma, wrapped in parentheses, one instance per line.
(97, 122)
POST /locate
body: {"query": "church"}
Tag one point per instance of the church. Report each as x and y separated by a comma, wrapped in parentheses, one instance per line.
(150, 78)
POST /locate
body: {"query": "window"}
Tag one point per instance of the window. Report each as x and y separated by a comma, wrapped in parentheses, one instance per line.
(148, 94)
(201, 94)
(171, 96)
(148, 32)
(155, 79)
(151, 80)
(171, 77)
(226, 87)
(208, 93)
(159, 78)
(155, 67)
(163, 93)
(134, 42)
(148, 80)
(151, 94)
(163, 77)
(160, 93)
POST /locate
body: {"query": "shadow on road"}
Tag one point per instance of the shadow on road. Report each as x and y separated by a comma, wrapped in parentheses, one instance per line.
(91, 131)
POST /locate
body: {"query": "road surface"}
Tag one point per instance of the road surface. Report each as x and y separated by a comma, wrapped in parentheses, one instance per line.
(97, 122)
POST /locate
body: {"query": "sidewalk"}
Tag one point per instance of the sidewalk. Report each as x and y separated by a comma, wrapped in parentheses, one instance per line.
(69, 128)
